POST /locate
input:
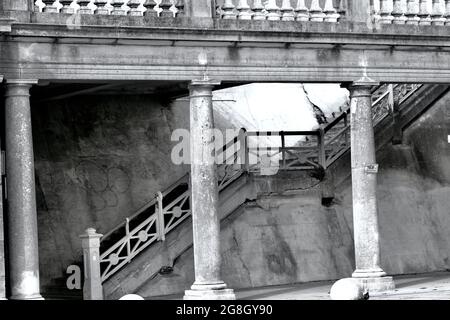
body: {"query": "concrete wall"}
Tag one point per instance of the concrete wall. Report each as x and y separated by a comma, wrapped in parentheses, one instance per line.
(98, 160)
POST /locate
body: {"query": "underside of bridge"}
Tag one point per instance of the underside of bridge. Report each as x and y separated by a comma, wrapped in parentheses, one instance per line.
(97, 96)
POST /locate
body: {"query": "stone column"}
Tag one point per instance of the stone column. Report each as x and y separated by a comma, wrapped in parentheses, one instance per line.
(364, 184)
(22, 218)
(2, 239)
(204, 198)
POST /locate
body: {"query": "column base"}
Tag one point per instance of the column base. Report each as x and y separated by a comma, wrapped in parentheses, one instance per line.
(222, 294)
(27, 297)
(213, 291)
(377, 284)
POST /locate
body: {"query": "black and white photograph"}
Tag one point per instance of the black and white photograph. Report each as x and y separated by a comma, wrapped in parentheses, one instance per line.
(223, 156)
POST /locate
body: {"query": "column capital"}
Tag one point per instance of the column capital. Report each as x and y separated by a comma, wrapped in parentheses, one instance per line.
(364, 82)
(19, 87)
(24, 82)
(204, 83)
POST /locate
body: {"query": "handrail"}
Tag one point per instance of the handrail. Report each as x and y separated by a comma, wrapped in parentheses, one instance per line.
(147, 205)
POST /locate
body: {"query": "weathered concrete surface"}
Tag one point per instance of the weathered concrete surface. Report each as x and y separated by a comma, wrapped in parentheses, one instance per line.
(98, 160)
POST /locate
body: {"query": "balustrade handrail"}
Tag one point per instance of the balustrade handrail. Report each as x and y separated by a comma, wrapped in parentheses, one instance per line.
(149, 204)
(375, 12)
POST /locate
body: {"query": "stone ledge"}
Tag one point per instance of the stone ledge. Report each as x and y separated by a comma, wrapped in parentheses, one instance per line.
(224, 294)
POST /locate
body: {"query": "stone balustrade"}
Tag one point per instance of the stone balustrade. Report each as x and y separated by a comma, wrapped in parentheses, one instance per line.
(284, 10)
(413, 12)
(158, 8)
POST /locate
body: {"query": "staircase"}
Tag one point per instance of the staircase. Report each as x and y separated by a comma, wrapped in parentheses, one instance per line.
(162, 228)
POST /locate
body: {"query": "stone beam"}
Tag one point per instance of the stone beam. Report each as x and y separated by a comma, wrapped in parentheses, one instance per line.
(75, 61)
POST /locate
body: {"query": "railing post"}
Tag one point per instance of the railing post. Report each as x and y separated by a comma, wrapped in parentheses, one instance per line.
(283, 148)
(391, 97)
(200, 8)
(359, 10)
(321, 146)
(92, 288)
(244, 149)
(160, 218)
(397, 136)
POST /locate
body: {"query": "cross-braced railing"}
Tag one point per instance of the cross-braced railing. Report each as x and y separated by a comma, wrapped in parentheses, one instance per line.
(161, 215)
(318, 148)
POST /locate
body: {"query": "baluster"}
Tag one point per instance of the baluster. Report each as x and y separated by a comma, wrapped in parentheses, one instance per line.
(49, 7)
(101, 7)
(84, 9)
(117, 8)
(412, 11)
(258, 10)
(447, 12)
(273, 11)
(127, 234)
(330, 11)
(397, 12)
(301, 12)
(228, 10)
(244, 10)
(150, 6)
(134, 11)
(424, 13)
(385, 12)
(316, 11)
(287, 12)
(437, 16)
(180, 8)
(165, 6)
(66, 6)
